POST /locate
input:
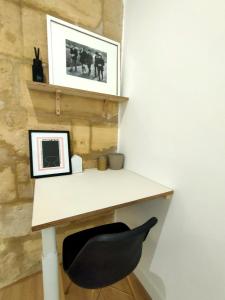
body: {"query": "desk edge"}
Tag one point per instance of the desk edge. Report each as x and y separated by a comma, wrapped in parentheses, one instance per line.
(78, 217)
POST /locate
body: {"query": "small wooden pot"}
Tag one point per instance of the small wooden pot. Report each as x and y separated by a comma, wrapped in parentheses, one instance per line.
(102, 163)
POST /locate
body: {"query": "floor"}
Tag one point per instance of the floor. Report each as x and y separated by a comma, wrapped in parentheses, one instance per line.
(31, 289)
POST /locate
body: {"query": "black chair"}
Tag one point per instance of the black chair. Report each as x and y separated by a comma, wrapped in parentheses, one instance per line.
(100, 256)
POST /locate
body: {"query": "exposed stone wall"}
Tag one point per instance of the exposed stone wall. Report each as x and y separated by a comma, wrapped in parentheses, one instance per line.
(92, 124)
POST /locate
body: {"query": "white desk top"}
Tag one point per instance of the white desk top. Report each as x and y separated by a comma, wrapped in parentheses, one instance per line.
(65, 198)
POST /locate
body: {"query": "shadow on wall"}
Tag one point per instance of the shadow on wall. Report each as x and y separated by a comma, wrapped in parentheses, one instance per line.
(135, 216)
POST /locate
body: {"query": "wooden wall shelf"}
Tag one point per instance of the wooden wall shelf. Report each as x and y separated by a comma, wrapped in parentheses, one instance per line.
(60, 90)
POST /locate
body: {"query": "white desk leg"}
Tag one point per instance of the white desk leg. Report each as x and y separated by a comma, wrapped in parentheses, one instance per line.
(50, 264)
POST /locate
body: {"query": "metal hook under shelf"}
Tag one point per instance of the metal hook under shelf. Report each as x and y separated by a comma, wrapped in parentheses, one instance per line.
(57, 102)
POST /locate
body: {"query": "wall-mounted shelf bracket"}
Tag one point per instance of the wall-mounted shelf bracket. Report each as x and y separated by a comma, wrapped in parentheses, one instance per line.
(57, 102)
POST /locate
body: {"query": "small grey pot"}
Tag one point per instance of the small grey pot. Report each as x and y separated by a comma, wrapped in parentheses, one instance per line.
(116, 161)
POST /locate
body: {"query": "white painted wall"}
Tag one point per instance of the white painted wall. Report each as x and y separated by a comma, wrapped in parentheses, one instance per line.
(173, 131)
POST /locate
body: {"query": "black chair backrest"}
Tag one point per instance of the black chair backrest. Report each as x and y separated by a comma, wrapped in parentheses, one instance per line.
(107, 258)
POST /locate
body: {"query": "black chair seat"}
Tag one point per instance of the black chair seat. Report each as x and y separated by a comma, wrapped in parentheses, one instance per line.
(103, 255)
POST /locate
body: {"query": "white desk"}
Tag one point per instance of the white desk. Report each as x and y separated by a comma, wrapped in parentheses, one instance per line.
(66, 198)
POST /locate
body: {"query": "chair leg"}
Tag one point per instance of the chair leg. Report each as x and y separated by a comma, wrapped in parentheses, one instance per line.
(66, 292)
(68, 288)
(131, 287)
(98, 294)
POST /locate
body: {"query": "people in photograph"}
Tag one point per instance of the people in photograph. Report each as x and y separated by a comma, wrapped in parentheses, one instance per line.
(96, 63)
(73, 55)
(101, 64)
(83, 59)
(89, 62)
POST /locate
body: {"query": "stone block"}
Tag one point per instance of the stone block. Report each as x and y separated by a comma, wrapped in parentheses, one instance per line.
(10, 29)
(2, 104)
(27, 71)
(113, 19)
(6, 154)
(54, 126)
(87, 13)
(17, 138)
(113, 12)
(31, 246)
(22, 172)
(112, 31)
(15, 220)
(25, 190)
(103, 137)
(3, 246)
(7, 186)
(90, 163)
(15, 1)
(81, 137)
(21, 142)
(111, 111)
(32, 250)
(10, 268)
(16, 117)
(6, 79)
(43, 103)
(83, 107)
(34, 32)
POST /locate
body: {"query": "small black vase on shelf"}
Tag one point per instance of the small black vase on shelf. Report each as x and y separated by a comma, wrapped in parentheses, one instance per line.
(37, 68)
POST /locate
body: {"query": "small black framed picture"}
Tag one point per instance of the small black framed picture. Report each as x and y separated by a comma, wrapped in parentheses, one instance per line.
(49, 153)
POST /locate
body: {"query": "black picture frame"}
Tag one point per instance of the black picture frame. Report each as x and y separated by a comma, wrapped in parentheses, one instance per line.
(49, 152)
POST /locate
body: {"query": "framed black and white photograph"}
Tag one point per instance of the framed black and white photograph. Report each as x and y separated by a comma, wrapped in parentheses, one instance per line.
(49, 153)
(81, 59)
